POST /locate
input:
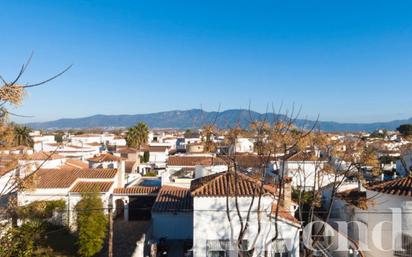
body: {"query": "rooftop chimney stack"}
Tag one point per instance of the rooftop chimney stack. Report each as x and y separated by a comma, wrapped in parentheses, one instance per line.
(286, 201)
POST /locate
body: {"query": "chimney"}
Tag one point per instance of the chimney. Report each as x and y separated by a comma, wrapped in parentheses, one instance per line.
(121, 176)
(287, 195)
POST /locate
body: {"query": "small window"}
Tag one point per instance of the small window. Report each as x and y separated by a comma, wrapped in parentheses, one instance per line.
(222, 248)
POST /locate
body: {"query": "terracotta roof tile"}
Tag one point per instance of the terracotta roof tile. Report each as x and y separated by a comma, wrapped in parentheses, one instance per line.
(74, 163)
(136, 190)
(127, 150)
(105, 158)
(401, 186)
(194, 160)
(173, 199)
(157, 148)
(64, 178)
(40, 156)
(91, 186)
(224, 183)
(284, 214)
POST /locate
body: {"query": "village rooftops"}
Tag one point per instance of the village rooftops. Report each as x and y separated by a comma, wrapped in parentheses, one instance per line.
(400, 186)
(192, 161)
(125, 150)
(229, 184)
(158, 148)
(136, 190)
(85, 187)
(64, 178)
(105, 158)
(74, 163)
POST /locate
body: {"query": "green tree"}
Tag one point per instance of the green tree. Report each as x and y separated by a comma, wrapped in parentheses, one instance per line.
(58, 136)
(405, 129)
(22, 136)
(137, 135)
(146, 156)
(91, 224)
(21, 241)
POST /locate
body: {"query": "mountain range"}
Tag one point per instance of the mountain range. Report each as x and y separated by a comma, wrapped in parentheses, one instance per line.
(195, 118)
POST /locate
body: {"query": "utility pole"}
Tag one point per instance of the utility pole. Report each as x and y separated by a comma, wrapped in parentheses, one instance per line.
(110, 244)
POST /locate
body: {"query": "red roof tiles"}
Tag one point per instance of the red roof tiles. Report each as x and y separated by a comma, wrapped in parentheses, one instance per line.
(284, 214)
(91, 187)
(400, 186)
(76, 164)
(194, 160)
(173, 199)
(229, 183)
(105, 158)
(64, 178)
(158, 149)
(137, 190)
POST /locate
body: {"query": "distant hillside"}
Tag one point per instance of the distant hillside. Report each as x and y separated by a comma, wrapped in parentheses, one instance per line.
(195, 118)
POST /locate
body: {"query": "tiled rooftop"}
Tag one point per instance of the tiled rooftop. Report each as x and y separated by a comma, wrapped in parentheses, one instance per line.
(136, 190)
(105, 158)
(194, 160)
(91, 186)
(64, 178)
(159, 149)
(400, 186)
(74, 163)
(173, 199)
(229, 183)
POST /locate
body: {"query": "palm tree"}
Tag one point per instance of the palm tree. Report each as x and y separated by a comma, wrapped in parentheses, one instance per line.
(22, 136)
(137, 135)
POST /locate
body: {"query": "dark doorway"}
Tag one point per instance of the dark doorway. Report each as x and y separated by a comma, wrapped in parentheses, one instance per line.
(140, 207)
(119, 205)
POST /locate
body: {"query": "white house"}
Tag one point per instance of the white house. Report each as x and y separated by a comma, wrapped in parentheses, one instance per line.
(198, 165)
(242, 145)
(379, 216)
(158, 155)
(215, 235)
(105, 161)
(68, 184)
(307, 171)
(81, 152)
(172, 214)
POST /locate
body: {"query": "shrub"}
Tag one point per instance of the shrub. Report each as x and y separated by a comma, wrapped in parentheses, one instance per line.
(91, 224)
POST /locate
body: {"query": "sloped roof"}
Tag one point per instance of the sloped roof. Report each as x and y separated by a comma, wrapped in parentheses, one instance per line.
(173, 199)
(158, 148)
(284, 214)
(74, 163)
(136, 190)
(40, 156)
(91, 186)
(64, 178)
(229, 183)
(194, 160)
(105, 158)
(401, 186)
(127, 150)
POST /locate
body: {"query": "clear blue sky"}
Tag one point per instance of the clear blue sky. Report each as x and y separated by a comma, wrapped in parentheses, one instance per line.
(347, 60)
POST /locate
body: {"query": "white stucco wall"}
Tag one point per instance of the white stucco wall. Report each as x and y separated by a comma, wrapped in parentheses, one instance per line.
(210, 222)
